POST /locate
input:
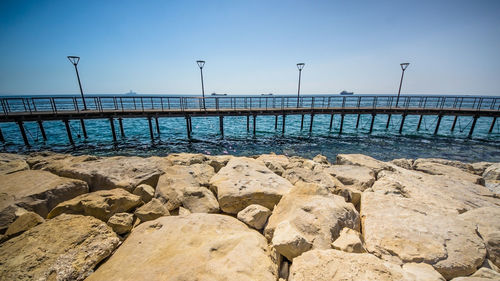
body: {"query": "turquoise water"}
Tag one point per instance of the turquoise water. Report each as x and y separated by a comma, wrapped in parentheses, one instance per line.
(384, 144)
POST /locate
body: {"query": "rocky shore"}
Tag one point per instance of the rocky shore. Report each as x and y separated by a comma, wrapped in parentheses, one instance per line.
(268, 217)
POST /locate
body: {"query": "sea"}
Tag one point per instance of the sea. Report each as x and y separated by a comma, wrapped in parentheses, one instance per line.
(384, 144)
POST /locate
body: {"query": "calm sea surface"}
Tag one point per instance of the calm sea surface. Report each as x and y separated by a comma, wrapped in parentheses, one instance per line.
(384, 144)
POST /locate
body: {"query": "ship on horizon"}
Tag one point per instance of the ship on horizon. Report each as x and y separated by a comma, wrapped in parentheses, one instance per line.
(346, 93)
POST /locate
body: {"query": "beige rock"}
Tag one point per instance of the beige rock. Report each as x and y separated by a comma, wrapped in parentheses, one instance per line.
(186, 159)
(333, 265)
(403, 163)
(218, 161)
(47, 159)
(354, 177)
(245, 181)
(24, 222)
(421, 272)
(492, 173)
(36, 191)
(289, 241)
(445, 170)
(471, 279)
(320, 159)
(109, 173)
(183, 211)
(65, 248)
(284, 270)
(11, 163)
(349, 241)
(493, 186)
(318, 176)
(152, 210)
(315, 213)
(121, 223)
(484, 272)
(276, 163)
(466, 167)
(145, 191)
(181, 186)
(254, 216)
(479, 167)
(198, 246)
(487, 221)
(362, 160)
(490, 265)
(100, 204)
(406, 230)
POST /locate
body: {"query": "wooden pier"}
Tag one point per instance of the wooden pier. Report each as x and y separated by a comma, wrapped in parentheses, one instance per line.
(40, 109)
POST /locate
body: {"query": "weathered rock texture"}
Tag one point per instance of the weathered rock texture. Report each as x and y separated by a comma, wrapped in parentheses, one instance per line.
(36, 191)
(349, 241)
(65, 248)
(121, 223)
(100, 204)
(152, 210)
(245, 181)
(193, 247)
(22, 223)
(254, 216)
(145, 191)
(11, 163)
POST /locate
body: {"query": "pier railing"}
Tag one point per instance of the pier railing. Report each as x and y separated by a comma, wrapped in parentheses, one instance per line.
(33, 105)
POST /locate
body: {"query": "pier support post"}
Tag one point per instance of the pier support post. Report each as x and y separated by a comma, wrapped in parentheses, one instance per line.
(283, 130)
(221, 125)
(23, 133)
(188, 126)
(42, 130)
(357, 121)
(489, 132)
(341, 123)
(151, 129)
(311, 125)
(437, 125)
(276, 122)
(68, 130)
(454, 123)
(331, 122)
(254, 124)
(112, 124)
(157, 126)
(302, 122)
(388, 121)
(419, 122)
(403, 117)
(120, 123)
(473, 126)
(373, 121)
(248, 123)
(82, 123)
(2, 139)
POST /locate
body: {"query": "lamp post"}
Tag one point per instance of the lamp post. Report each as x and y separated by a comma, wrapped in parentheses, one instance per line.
(201, 63)
(404, 65)
(300, 66)
(74, 60)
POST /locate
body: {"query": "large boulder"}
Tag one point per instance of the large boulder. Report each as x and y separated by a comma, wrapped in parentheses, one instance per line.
(333, 265)
(65, 248)
(254, 216)
(186, 159)
(349, 241)
(465, 167)
(11, 163)
(36, 191)
(317, 175)
(108, 173)
(121, 223)
(487, 221)
(46, 160)
(314, 215)
(100, 204)
(363, 160)
(183, 186)
(356, 177)
(152, 210)
(401, 229)
(276, 163)
(22, 223)
(446, 170)
(196, 246)
(245, 181)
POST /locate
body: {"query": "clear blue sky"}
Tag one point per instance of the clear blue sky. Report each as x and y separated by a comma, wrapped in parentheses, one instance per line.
(251, 47)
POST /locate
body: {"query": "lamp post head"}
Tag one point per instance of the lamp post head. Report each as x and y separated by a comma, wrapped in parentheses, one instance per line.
(300, 66)
(74, 59)
(200, 63)
(404, 65)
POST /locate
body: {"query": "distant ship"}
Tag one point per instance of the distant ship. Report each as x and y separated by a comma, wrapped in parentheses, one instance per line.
(131, 93)
(215, 94)
(346, 93)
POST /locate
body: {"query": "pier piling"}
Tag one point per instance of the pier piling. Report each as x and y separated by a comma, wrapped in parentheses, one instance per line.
(331, 121)
(254, 124)
(151, 129)
(491, 126)
(388, 121)
(1, 136)
(419, 122)
(120, 123)
(82, 123)
(473, 126)
(23, 133)
(248, 123)
(373, 121)
(437, 125)
(157, 126)
(403, 117)
(42, 130)
(112, 124)
(341, 123)
(357, 121)
(302, 122)
(311, 125)
(221, 125)
(283, 130)
(68, 131)
(276, 122)
(454, 123)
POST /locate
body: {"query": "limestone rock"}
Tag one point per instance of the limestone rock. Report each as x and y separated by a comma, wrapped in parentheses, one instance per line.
(487, 221)
(186, 159)
(466, 167)
(36, 191)
(254, 216)
(349, 241)
(276, 163)
(65, 248)
(406, 230)
(46, 160)
(320, 159)
(318, 176)
(445, 170)
(183, 211)
(289, 242)
(24, 222)
(315, 213)
(356, 177)
(100, 204)
(11, 163)
(109, 173)
(145, 191)
(362, 160)
(492, 173)
(121, 223)
(198, 246)
(218, 161)
(479, 167)
(486, 273)
(403, 163)
(333, 265)
(152, 210)
(421, 272)
(181, 186)
(245, 181)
